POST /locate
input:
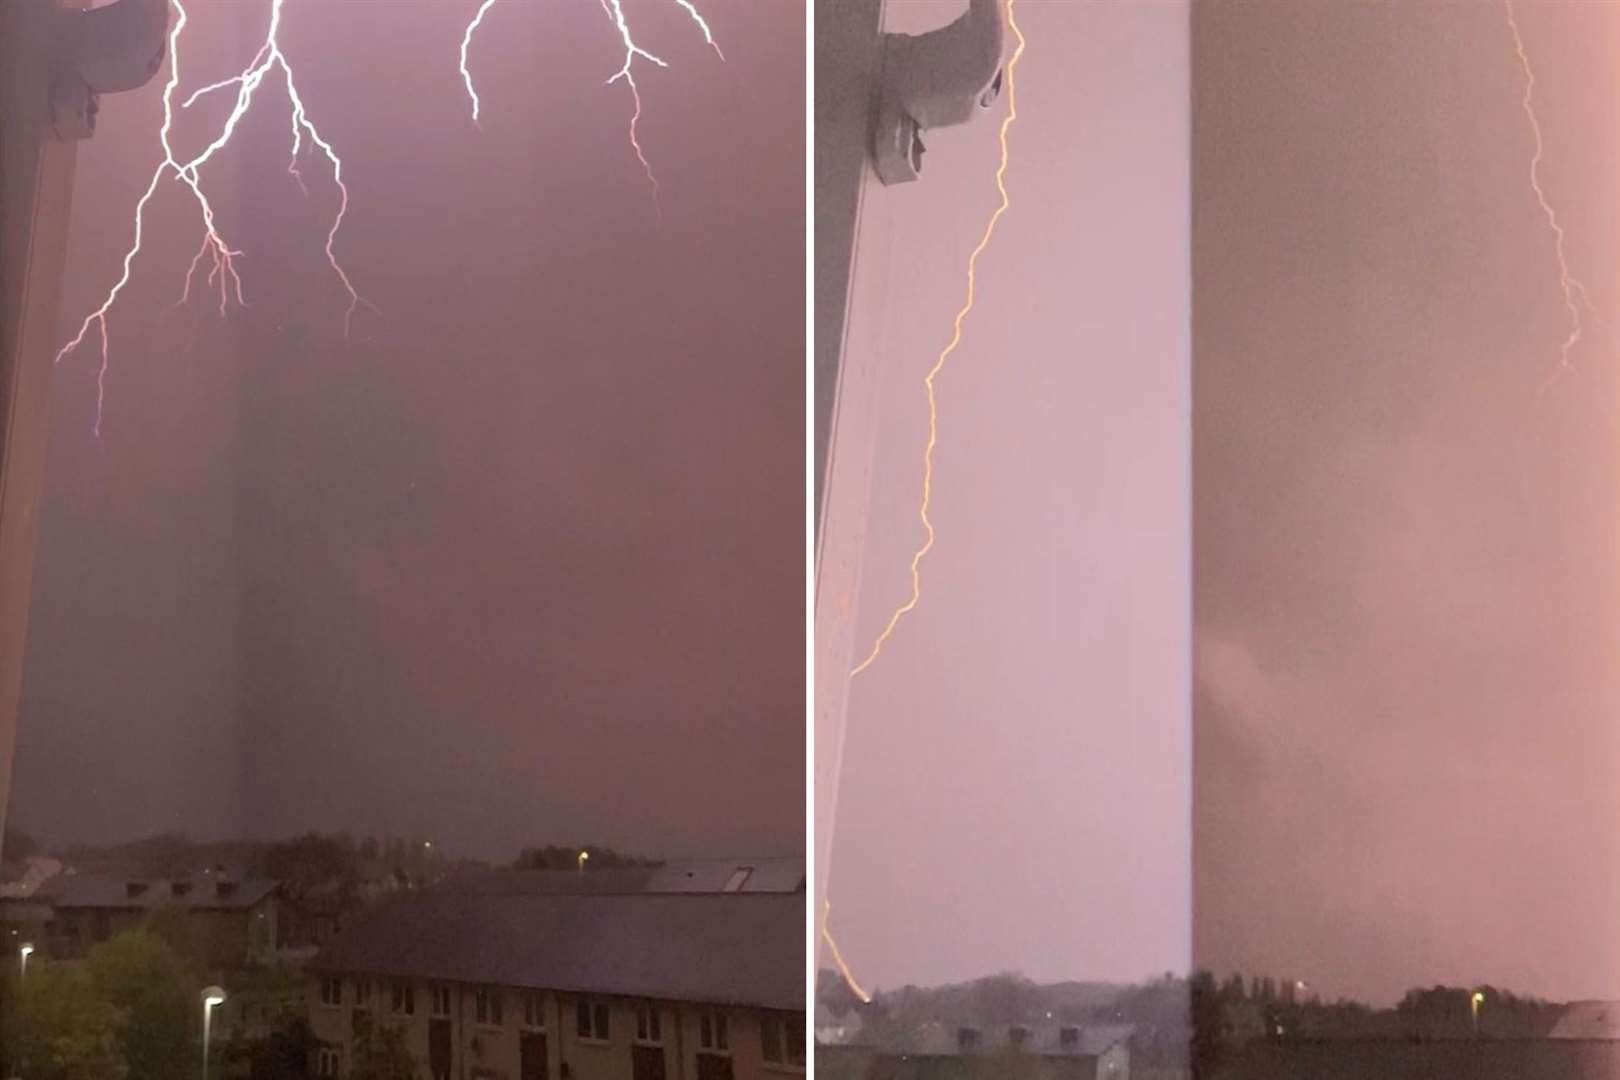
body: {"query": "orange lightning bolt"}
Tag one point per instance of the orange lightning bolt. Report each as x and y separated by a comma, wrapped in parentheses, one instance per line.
(933, 436)
(838, 957)
(1568, 284)
(939, 364)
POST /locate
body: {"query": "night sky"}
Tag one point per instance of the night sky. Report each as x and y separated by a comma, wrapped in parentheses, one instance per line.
(520, 563)
(1405, 526)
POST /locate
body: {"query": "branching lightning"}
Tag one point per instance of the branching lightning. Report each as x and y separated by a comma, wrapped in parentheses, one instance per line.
(1573, 290)
(945, 354)
(214, 247)
(614, 10)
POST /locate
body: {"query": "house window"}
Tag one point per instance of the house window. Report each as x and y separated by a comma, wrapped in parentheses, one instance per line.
(534, 1012)
(591, 1018)
(487, 1007)
(441, 1001)
(402, 998)
(362, 993)
(712, 1031)
(326, 1062)
(648, 1027)
(331, 991)
(781, 1039)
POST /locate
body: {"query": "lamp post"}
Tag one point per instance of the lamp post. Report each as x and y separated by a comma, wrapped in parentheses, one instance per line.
(23, 954)
(583, 855)
(211, 996)
(1473, 1004)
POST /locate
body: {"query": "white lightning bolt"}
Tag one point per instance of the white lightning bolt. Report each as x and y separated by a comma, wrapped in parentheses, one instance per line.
(188, 172)
(614, 10)
(466, 42)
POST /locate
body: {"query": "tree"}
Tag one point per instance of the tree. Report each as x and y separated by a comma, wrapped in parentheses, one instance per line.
(60, 1028)
(566, 857)
(1206, 1024)
(380, 1053)
(156, 993)
(283, 1054)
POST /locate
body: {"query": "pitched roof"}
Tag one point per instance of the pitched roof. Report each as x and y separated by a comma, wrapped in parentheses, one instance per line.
(1588, 1020)
(727, 949)
(729, 875)
(198, 891)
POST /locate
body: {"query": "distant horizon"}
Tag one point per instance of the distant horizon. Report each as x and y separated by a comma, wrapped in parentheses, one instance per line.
(54, 848)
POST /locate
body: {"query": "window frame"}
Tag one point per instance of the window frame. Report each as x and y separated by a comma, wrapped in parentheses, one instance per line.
(434, 993)
(714, 1035)
(331, 992)
(488, 1010)
(534, 1010)
(598, 1028)
(402, 997)
(649, 1024)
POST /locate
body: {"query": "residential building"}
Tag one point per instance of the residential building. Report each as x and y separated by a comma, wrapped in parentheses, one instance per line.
(231, 921)
(526, 985)
(1044, 1051)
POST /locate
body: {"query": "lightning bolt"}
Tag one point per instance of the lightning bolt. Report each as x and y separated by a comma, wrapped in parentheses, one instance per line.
(838, 957)
(614, 10)
(631, 51)
(188, 173)
(945, 354)
(933, 431)
(1573, 290)
(466, 42)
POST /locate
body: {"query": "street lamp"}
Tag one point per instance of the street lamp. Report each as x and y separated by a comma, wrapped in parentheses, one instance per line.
(211, 996)
(583, 855)
(1474, 1003)
(24, 953)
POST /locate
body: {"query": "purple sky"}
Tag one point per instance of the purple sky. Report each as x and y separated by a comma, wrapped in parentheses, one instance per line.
(1405, 546)
(1015, 779)
(522, 563)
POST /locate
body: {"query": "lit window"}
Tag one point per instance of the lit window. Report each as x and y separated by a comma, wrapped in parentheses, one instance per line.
(712, 1031)
(649, 1029)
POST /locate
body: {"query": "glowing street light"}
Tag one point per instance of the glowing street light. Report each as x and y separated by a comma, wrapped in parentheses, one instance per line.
(1474, 1003)
(583, 855)
(24, 953)
(211, 996)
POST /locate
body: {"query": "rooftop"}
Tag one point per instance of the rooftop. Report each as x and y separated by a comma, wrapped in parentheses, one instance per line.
(714, 949)
(125, 894)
